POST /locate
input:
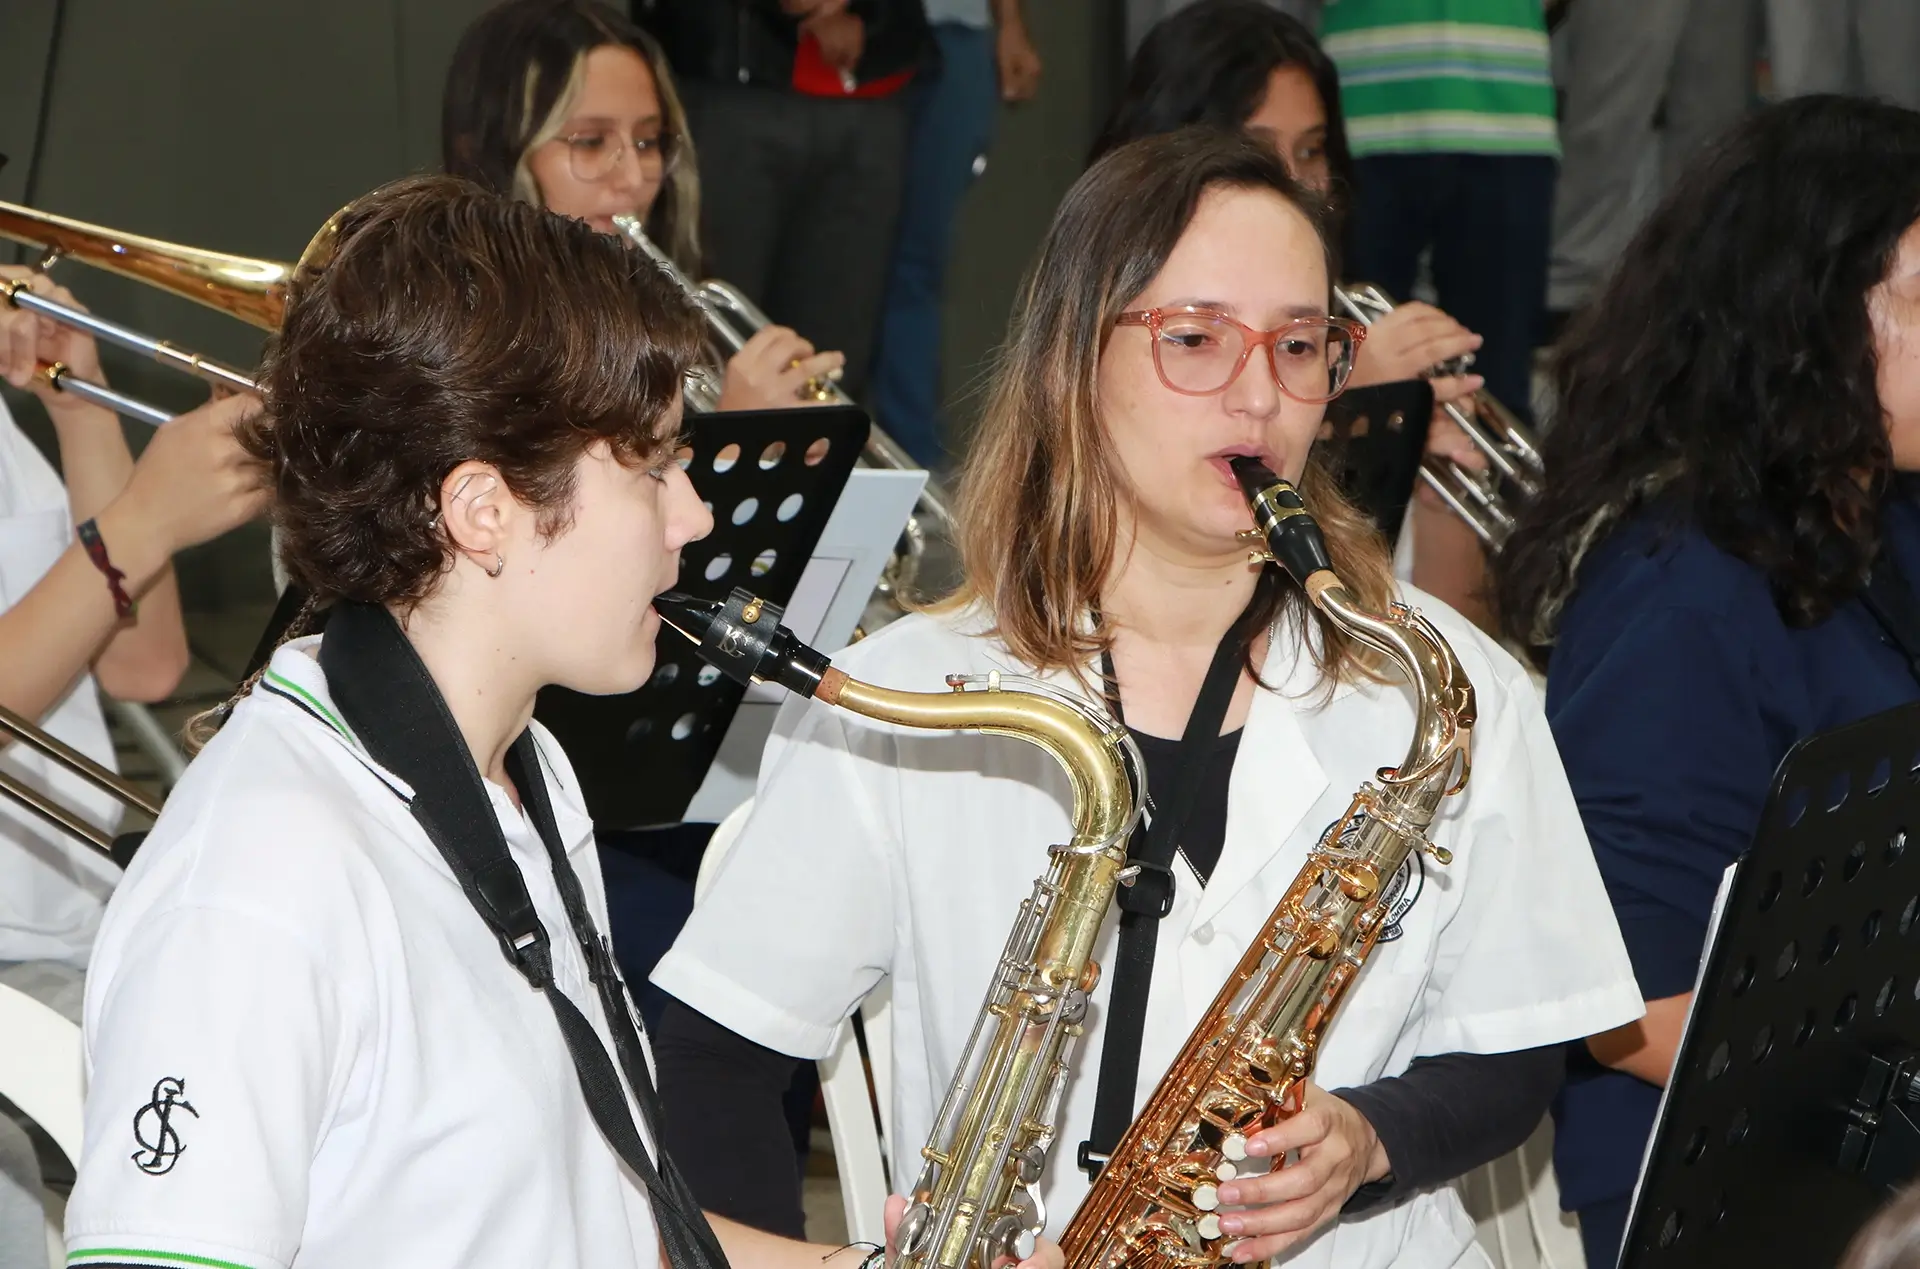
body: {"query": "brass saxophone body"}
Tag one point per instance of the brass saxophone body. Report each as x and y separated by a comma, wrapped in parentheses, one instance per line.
(1246, 1065)
(976, 1198)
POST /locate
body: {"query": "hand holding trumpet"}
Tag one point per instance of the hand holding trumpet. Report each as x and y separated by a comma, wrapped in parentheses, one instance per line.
(772, 369)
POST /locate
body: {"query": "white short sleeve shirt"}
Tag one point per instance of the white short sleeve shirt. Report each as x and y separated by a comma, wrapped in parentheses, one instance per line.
(52, 888)
(304, 1048)
(876, 851)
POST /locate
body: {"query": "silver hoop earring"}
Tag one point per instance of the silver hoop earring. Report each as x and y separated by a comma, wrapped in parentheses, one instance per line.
(499, 565)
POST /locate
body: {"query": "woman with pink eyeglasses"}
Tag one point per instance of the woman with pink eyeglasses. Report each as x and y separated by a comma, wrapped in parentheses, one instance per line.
(1175, 319)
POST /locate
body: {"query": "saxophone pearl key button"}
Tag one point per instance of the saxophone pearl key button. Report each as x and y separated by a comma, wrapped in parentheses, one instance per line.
(1234, 1147)
(1226, 1172)
(1208, 1226)
(1206, 1197)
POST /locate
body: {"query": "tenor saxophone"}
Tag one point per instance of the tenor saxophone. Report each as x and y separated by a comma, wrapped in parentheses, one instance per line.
(976, 1199)
(1246, 1065)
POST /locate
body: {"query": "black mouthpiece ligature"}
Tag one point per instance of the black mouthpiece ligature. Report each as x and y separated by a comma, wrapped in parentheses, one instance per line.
(1292, 536)
(743, 639)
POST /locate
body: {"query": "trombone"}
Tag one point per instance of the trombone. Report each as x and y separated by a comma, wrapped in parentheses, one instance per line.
(1514, 471)
(65, 755)
(254, 291)
(733, 319)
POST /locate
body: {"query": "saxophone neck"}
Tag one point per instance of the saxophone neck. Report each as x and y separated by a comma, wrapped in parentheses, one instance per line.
(743, 638)
(1443, 727)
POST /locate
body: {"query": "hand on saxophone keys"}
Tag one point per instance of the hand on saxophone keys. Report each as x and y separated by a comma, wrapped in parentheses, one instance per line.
(1046, 1253)
(1323, 1152)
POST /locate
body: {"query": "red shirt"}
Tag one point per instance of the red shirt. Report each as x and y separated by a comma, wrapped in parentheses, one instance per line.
(812, 75)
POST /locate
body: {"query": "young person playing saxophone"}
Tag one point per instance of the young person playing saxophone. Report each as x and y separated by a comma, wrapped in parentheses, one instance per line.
(1176, 318)
(314, 1036)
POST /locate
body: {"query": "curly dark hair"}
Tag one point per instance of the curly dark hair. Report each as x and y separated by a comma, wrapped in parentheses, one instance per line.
(1727, 374)
(1209, 64)
(449, 324)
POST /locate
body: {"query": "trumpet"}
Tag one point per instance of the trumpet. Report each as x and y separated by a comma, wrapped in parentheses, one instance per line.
(734, 319)
(1481, 498)
(64, 755)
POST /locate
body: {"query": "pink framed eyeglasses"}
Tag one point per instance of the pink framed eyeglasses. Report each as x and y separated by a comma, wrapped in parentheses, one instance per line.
(1199, 352)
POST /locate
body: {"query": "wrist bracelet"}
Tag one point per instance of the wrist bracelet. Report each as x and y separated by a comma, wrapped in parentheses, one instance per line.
(123, 603)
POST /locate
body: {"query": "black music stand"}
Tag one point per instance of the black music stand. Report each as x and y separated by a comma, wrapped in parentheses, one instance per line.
(772, 478)
(1793, 1111)
(1375, 443)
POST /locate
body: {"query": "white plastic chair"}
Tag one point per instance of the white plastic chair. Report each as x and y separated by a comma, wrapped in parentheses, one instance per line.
(858, 1129)
(40, 1074)
(1515, 1205)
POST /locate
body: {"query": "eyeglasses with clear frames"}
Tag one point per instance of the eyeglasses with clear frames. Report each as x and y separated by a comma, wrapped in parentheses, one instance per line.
(1199, 352)
(594, 153)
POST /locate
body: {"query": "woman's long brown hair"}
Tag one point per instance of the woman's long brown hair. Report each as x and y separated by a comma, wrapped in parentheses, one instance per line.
(1040, 494)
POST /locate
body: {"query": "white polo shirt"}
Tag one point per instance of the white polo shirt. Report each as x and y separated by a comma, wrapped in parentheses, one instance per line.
(52, 888)
(304, 1047)
(876, 851)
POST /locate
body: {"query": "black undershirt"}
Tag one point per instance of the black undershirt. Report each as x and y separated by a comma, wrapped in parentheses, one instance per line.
(1444, 1117)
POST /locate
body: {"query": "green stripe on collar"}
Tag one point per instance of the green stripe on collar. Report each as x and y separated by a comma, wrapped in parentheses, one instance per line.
(332, 719)
(148, 1256)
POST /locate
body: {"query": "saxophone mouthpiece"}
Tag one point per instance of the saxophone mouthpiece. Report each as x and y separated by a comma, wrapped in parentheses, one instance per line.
(743, 639)
(1292, 536)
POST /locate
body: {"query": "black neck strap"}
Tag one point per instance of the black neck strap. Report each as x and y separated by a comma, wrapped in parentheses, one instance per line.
(383, 691)
(1891, 603)
(1150, 897)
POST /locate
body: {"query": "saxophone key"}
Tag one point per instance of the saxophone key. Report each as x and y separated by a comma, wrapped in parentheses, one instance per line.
(1206, 1197)
(1234, 1147)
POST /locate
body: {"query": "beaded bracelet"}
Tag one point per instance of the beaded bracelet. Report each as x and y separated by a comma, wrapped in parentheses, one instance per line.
(123, 603)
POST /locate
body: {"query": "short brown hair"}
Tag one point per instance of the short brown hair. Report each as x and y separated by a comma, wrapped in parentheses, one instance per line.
(451, 324)
(1040, 494)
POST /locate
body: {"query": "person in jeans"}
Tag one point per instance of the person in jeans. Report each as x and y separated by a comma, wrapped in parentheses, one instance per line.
(1450, 113)
(800, 112)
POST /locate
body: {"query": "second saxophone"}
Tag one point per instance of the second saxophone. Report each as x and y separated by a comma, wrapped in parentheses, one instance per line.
(977, 1198)
(1246, 1065)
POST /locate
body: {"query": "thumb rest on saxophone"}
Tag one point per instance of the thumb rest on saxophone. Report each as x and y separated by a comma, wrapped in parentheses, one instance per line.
(976, 1198)
(733, 319)
(1481, 498)
(1246, 1065)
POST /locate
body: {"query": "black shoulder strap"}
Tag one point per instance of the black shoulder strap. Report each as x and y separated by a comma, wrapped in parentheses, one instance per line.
(1150, 897)
(1892, 604)
(387, 698)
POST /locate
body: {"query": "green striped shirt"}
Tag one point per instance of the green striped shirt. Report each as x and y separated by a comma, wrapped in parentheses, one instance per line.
(1444, 76)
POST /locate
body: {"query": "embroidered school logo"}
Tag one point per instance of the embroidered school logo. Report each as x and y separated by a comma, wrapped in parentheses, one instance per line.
(1403, 891)
(160, 1144)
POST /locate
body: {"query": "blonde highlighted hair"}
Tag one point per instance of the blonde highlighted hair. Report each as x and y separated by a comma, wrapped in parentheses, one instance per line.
(514, 79)
(1040, 495)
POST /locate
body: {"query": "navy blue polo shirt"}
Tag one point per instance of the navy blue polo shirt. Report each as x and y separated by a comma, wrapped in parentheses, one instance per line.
(1674, 690)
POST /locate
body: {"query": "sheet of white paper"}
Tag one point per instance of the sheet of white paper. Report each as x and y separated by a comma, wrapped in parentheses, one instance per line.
(1660, 1116)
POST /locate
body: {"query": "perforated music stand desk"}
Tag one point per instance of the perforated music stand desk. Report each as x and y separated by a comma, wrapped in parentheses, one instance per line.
(1792, 1115)
(772, 479)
